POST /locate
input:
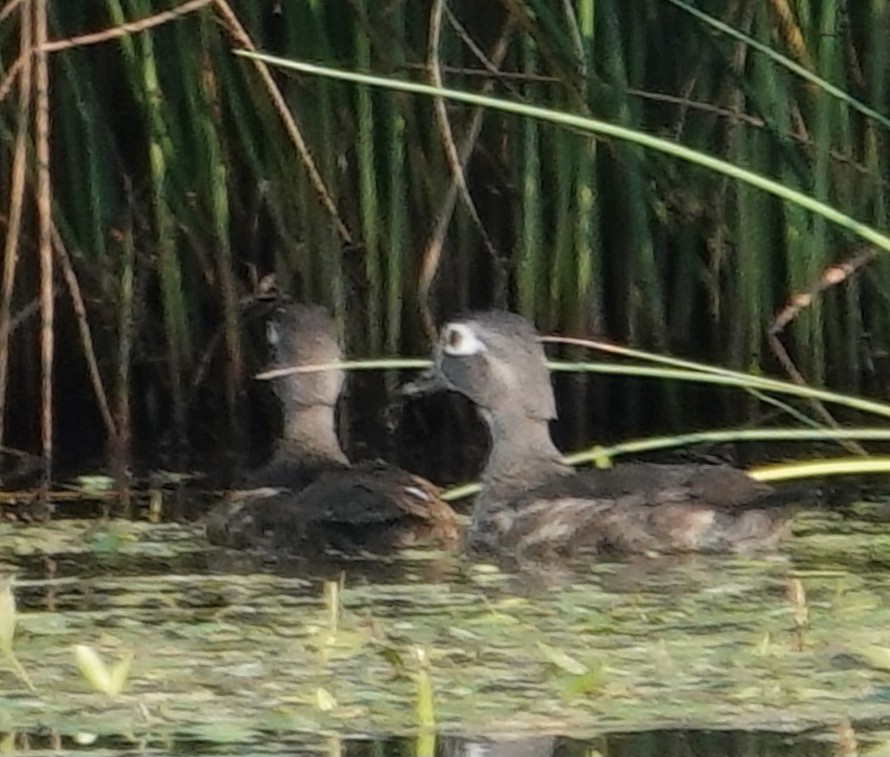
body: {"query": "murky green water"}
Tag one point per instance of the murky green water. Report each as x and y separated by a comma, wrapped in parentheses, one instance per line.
(707, 656)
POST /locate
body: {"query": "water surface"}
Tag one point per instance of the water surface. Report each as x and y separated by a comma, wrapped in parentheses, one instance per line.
(233, 653)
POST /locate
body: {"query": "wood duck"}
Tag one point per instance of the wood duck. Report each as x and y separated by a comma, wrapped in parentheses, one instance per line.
(309, 497)
(533, 505)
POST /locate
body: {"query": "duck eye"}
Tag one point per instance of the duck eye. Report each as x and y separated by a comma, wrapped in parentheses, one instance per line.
(459, 340)
(273, 334)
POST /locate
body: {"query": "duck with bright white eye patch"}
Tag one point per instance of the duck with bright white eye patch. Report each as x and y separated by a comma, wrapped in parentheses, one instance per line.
(309, 498)
(533, 505)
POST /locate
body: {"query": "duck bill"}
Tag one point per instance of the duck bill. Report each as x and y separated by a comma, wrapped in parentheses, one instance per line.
(431, 381)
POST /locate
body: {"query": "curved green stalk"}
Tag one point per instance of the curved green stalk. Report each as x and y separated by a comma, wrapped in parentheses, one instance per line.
(595, 126)
(765, 473)
(785, 61)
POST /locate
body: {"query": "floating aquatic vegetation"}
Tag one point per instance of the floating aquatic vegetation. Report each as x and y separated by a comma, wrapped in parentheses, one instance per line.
(229, 657)
(8, 619)
(93, 668)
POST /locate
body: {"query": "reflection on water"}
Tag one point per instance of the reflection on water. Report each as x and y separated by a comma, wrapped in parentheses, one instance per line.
(234, 652)
(646, 744)
(675, 743)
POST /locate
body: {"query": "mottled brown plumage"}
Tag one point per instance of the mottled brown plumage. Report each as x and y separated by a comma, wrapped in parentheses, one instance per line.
(308, 498)
(532, 504)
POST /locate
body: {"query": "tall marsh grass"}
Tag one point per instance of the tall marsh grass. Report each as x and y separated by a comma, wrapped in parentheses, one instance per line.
(184, 180)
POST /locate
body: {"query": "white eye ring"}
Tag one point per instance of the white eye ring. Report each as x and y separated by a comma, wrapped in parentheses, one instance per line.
(273, 333)
(459, 340)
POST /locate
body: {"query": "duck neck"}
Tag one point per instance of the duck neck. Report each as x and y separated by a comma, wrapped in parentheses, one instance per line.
(522, 452)
(309, 432)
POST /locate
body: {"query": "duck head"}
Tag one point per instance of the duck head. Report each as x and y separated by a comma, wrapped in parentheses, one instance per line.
(496, 360)
(300, 335)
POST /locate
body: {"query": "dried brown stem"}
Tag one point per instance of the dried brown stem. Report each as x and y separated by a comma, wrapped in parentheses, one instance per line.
(44, 221)
(124, 30)
(120, 451)
(83, 327)
(831, 276)
(16, 203)
(457, 160)
(242, 39)
(9, 9)
(225, 275)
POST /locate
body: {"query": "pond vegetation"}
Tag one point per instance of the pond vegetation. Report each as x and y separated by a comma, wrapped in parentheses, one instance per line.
(229, 649)
(591, 171)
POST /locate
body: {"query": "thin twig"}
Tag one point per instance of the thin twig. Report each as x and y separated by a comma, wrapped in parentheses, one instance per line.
(19, 671)
(124, 30)
(29, 311)
(8, 9)
(831, 276)
(203, 365)
(243, 40)
(86, 337)
(44, 218)
(121, 452)
(105, 35)
(16, 203)
(457, 160)
(12, 73)
(26, 496)
(228, 287)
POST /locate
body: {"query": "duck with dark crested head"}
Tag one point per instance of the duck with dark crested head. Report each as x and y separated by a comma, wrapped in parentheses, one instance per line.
(314, 498)
(533, 505)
